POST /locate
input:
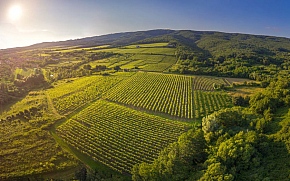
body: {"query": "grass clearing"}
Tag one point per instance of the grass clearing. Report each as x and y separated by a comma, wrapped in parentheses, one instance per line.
(245, 91)
(23, 72)
(149, 45)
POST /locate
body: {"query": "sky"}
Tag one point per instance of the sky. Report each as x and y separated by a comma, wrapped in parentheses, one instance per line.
(35, 21)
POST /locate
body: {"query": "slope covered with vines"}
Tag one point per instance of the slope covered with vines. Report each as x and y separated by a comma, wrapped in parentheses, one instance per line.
(184, 97)
(117, 136)
(72, 95)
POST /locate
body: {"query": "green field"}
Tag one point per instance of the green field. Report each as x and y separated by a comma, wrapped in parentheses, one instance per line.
(69, 96)
(130, 60)
(117, 136)
(148, 45)
(27, 147)
(23, 72)
(174, 95)
(98, 130)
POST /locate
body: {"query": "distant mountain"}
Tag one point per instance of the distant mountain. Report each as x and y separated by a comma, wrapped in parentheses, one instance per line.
(204, 52)
(208, 41)
(204, 43)
(115, 39)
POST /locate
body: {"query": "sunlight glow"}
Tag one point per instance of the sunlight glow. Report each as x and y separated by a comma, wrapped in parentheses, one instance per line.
(15, 12)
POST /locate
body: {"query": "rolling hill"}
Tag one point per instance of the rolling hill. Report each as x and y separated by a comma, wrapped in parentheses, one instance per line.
(147, 105)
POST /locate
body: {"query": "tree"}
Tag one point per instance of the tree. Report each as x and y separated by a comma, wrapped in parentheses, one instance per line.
(176, 161)
(240, 101)
(87, 67)
(235, 158)
(260, 102)
(230, 121)
(100, 67)
(216, 171)
(117, 68)
(81, 174)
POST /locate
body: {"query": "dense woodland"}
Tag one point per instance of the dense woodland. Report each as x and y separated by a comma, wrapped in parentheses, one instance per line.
(250, 141)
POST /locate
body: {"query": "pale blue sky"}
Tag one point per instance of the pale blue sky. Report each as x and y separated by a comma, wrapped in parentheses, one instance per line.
(53, 20)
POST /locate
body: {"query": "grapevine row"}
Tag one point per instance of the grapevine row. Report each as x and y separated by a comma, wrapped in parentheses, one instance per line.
(171, 94)
(117, 136)
(207, 84)
(176, 95)
(70, 96)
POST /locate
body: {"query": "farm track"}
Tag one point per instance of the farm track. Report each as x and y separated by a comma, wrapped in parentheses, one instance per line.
(50, 105)
(156, 113)
(123, 166)
(86, 160)
(116, 132)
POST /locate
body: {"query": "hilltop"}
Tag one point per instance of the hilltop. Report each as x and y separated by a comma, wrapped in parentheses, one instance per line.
(200, 52)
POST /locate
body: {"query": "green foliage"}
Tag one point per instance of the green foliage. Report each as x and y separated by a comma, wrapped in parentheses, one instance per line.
(27, 147)
(234, 157)
(216, 171)
(233, 144)
(175, 162)
(240, 101)
(284, 133)
(230, 120)
(276, 95)
(260, 102)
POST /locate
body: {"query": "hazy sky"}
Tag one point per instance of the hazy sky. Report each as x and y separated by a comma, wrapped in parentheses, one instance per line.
(33, 21)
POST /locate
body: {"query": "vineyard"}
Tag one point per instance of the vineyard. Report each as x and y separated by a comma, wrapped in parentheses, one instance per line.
(69, 96)
(146, 62)
(141, 50)
(161, 66)
(155, 57)
(208, 102)
(207, 84)
(117, 136)
(170, 94)
(98, 107)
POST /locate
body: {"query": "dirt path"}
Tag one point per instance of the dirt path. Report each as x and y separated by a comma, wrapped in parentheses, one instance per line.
(50, 105)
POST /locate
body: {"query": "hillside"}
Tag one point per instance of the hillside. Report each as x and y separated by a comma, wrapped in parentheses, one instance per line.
(147, 105)
(200, 52)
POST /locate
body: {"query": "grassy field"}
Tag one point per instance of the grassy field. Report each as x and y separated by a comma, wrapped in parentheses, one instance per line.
(148, 45)
(154, 51)
(23, 72)
(245, 91)
(27, 147)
